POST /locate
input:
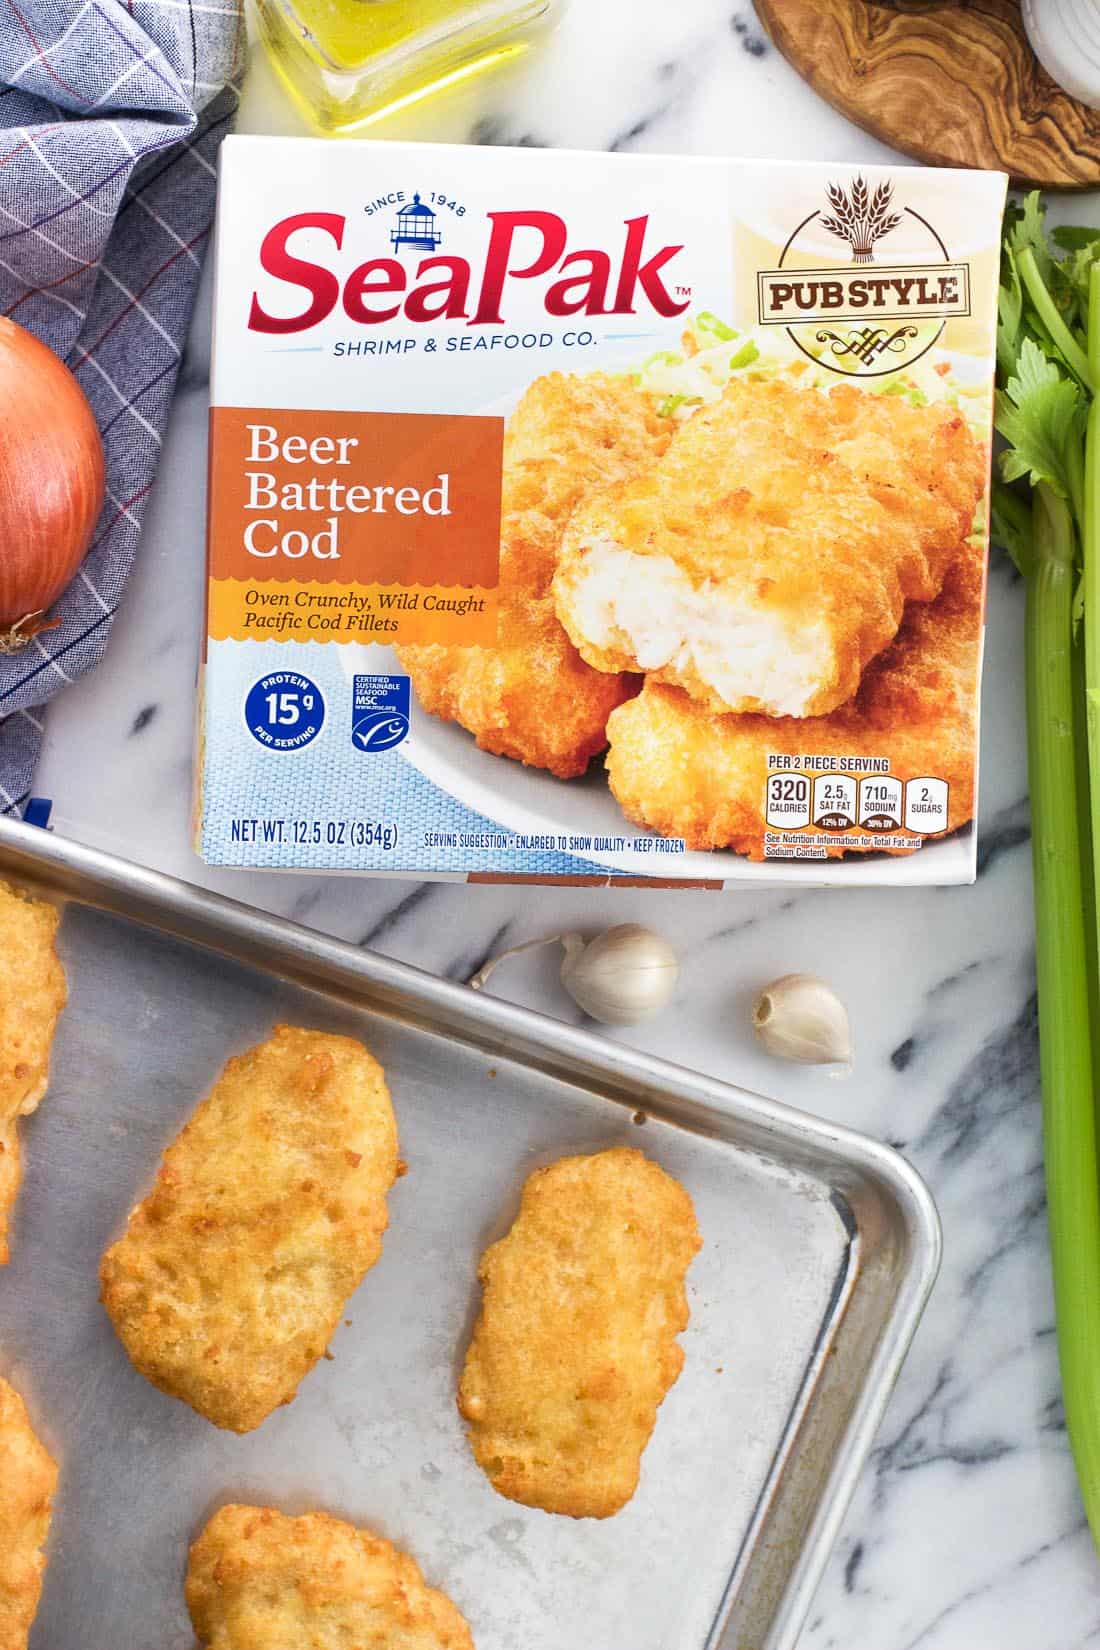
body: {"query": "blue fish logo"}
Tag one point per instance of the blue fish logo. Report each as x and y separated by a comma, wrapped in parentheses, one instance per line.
(380, 730)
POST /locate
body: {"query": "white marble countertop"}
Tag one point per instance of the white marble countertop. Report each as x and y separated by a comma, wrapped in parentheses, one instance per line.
(966, 1532)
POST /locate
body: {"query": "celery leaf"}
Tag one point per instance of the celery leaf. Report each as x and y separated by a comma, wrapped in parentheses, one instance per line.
(1010, 311)
(1040, 413)
(1073, 237)
(1071, 289)
(1028, 232)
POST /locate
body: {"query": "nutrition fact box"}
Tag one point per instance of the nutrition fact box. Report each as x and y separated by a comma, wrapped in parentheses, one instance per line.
(832, 803)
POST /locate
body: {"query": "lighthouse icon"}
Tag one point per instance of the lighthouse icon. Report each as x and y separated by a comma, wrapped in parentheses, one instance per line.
(415, 227)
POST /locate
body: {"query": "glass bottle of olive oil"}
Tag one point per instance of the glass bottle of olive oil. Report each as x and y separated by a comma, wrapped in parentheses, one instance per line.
(347, 62)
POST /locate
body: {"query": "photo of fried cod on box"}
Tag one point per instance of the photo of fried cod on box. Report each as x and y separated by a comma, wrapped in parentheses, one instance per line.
(679, 769)
(768, 557)
(531, 696)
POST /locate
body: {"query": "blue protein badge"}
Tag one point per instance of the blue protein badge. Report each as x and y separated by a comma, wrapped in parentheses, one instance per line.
(284, 711)
(379, 713)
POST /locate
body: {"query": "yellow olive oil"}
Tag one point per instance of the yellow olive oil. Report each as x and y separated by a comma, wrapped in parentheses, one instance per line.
(348, 62)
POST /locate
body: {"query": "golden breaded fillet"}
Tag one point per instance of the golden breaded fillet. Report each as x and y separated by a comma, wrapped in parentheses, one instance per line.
(258, 1580)
(768, 557)
(571, 433)
(28, 1478)
(531, 696)
(32, 995)
(576, 1344)
(687, 773)
(268, 1210)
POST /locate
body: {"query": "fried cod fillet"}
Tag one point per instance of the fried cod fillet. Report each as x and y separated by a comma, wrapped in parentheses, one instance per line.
(32, 995)
(576, 1347)
(768, 557)
(28, 1478)
(258, 1580)
(684, 772)
(531, 696)
(267, 1212)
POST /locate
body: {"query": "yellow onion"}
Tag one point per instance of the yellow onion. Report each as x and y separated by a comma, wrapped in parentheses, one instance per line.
(51, 482)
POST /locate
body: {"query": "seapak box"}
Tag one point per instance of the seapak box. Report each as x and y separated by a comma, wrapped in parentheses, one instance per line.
(585, 516)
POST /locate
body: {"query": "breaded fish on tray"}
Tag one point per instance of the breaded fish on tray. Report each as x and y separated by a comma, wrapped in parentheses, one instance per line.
(768, 557)
(531, 696)
(258, 1580)
(268, 1210)
(687, 773)
(32, 995)
(28, 1478)
(576, 1347)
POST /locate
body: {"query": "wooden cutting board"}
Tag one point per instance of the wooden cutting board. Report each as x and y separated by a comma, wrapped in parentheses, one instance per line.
(950, 82)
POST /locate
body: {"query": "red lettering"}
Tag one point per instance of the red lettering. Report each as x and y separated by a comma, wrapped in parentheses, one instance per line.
(374, 278)
(320, 283)
(505, 224)
(453, 291)
(634, 273)
(583, 282)
(591, 287)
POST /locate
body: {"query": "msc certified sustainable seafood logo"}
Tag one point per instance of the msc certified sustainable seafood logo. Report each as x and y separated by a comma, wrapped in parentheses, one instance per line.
(872, 318)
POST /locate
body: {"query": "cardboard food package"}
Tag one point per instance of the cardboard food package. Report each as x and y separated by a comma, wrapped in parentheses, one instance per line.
(591, 517)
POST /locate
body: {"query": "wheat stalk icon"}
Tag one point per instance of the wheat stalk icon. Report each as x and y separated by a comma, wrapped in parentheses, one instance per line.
(861, 217)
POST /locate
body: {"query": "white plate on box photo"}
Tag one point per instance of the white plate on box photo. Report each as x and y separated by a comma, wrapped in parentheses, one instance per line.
(530, 801)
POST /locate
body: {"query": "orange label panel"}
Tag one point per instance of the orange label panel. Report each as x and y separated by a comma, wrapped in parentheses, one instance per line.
(355, 499)
(300, 611)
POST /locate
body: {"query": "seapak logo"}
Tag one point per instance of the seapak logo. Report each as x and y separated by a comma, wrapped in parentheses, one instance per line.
(874, 317)
(523, 253)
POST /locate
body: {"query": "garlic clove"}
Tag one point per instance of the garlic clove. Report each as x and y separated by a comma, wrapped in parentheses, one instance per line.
(798, 1017)
(623, 976)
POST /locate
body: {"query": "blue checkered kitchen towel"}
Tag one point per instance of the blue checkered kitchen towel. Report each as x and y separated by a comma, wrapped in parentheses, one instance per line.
(111, 112)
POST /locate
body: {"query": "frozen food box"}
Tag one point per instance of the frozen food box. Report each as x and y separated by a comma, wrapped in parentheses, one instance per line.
(589, 517)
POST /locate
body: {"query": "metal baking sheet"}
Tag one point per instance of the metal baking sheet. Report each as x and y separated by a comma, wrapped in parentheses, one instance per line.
(820, 1250)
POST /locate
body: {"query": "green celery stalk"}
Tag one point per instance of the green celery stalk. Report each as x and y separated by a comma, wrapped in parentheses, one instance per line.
(1048, 411)
(1090, 544)
(1075, 358)
(1062, 964)
(1084, 829)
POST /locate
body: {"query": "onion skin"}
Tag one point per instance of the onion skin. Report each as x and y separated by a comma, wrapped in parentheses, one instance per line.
(52, 479)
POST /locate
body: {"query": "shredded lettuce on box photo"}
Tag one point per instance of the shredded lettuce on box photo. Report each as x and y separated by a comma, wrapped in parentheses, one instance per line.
(713, 354)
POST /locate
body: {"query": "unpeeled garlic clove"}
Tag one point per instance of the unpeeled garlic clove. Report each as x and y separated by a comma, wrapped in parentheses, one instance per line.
(622, 976)
(798, 1017)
